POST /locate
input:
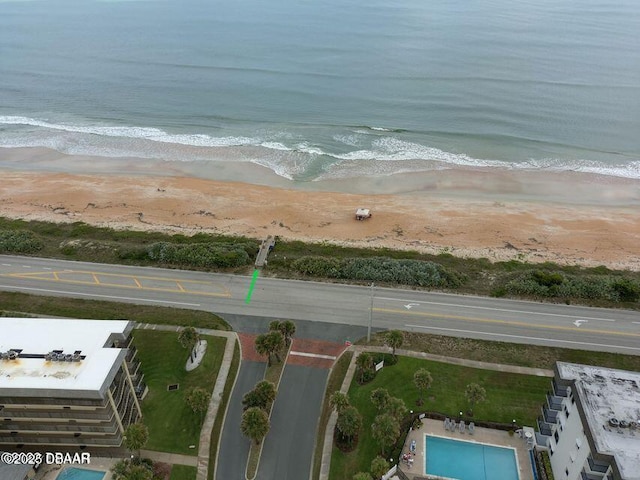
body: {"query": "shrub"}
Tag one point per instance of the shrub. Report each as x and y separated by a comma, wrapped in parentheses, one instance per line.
(200, 254)
(19, 241)
(381, 269)
(537, 283)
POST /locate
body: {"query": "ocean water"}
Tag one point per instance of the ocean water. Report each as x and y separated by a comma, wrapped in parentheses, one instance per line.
(316, 90)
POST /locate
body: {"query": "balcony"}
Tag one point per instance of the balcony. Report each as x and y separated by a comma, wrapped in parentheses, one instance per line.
(554, 402)
(133, 367)
(597, 467)
(584, 475)
(131, 353)
(550, 416)
(544, 428)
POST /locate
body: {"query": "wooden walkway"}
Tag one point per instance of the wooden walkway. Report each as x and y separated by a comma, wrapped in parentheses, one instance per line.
(265, 247)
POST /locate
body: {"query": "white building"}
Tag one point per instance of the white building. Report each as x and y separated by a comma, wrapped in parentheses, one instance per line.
(591, 423)
(67, 384)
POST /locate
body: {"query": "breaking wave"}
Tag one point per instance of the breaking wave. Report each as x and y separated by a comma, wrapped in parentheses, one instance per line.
(346, 152)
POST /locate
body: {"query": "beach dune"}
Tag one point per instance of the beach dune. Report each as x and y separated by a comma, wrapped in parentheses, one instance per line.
(430, 221)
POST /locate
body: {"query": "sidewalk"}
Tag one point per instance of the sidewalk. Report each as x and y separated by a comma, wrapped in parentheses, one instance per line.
(172, 458)
(357, 349)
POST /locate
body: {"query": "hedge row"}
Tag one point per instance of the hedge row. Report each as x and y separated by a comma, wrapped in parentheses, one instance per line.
(381, 269)
(19, 241)
(536, 283)
(200, 254)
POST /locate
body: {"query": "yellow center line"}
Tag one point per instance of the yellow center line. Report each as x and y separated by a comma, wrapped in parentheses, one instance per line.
(54, 276)
(506, 322)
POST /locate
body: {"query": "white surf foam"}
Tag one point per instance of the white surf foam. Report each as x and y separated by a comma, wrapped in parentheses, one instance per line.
(143, 133)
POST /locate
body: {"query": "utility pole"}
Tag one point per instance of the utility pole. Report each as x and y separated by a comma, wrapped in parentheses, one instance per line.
(370, 315)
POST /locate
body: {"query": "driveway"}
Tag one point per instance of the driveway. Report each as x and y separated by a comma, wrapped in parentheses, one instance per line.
(234, 446)
(288, 448)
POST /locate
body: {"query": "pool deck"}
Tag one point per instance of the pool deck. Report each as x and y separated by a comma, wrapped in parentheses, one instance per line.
(50, 472)
(498, 438)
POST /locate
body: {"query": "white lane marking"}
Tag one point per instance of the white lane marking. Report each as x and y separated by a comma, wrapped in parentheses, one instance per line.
(313, 355)
(6, 264)
(495, 309)
(26, 266)
(577, 323)
(72, 294)
(522, 337)
(637, 323)
(409, 305)
(46, 268)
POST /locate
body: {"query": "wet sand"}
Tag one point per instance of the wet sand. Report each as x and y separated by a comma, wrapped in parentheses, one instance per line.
(565, 218)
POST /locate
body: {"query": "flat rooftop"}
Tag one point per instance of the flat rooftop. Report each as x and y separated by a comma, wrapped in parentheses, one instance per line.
(33, 374)
(611, 401)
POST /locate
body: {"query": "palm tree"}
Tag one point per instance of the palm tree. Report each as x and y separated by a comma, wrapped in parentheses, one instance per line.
(274, 325)
(364, 362)
(255, 424)
(396, 408)
(349, 423)
(338, 401)
(288, 329)
(394, 339)
(135, 437)
(189, 338)
(268, 344)
(379, 466)
(385, 431)
(422, 380)
(198, 400)
(475, 394)
(362, 476)
(380, 398)
(262, 396)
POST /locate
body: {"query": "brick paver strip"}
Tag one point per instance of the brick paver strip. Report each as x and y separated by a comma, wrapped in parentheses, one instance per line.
(247, 342)
(314, 353)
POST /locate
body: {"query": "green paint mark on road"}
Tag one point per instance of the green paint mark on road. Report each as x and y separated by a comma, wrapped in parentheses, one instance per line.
(256, 273)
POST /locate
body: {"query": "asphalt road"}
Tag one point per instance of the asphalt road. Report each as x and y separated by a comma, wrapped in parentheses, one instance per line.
(234, 446)
(457, 315)
(288, 449)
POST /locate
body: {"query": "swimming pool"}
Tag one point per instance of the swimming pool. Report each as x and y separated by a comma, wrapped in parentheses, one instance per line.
(464, 460)
(80, 474)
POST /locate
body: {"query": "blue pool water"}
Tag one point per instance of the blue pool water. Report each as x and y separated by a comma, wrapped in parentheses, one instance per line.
(80, 474)
(469, 461)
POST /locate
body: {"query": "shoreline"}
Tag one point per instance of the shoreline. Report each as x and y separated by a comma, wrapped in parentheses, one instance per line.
(465, 213)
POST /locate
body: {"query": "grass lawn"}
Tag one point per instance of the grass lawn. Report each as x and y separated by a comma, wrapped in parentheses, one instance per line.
(23, 303)
(535, 356)
(183, 472)
(173, 426)
(509, 396)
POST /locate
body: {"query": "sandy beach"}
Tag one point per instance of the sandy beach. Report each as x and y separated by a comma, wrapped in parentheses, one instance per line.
(591, 221)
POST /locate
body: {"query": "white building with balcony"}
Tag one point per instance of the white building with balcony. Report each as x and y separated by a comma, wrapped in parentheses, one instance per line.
(590, 423)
